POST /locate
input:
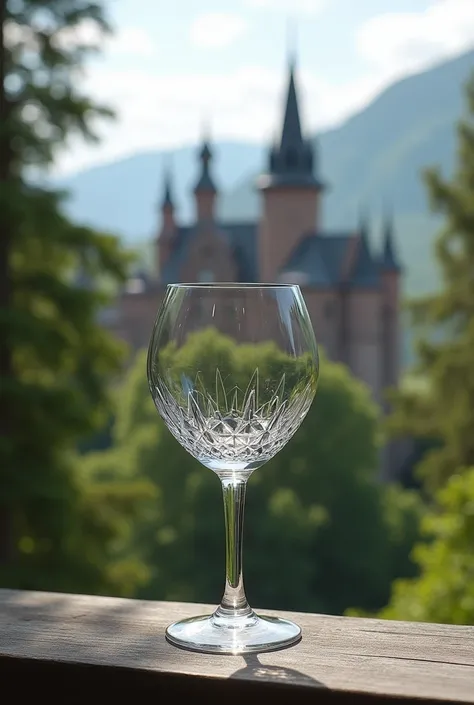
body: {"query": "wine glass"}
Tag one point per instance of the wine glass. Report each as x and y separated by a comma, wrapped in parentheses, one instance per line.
(233, 370)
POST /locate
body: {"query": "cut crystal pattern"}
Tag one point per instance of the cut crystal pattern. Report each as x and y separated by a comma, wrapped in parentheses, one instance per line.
(231, 427)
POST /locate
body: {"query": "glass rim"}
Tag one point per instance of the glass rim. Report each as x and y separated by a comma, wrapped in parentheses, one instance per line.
(230, 285)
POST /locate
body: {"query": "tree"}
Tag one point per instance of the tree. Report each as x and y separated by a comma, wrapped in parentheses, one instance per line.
(442, 411)
(56, 363)
(320, 534)
(444, 592)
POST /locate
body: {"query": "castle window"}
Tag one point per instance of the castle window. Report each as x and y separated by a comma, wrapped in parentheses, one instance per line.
(206, 275)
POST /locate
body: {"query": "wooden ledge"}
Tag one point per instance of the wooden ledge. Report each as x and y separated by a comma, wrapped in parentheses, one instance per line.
(81, 649)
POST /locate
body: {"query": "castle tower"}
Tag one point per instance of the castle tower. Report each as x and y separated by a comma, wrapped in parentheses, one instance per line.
(205, 190)
(390, 272)
(290, 191)
(355, 256)
(168, 224)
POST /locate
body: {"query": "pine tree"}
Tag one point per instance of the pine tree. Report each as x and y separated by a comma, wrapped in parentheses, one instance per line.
(442, 409)
(56, 363)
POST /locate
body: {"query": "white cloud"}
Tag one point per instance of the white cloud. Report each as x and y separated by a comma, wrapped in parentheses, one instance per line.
(217, 30)
(247, 104)
(405, 41)
(86, 33)
(292, 7)
(133, 41)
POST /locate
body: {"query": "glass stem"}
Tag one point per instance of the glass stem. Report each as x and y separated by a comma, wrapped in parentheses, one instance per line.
(234, 602)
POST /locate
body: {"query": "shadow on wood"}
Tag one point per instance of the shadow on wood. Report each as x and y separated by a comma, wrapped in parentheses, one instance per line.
(81, 649)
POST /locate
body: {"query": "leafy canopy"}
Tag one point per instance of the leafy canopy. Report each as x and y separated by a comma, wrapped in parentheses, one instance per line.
(321, 532)
(56, 362)
(443, 410)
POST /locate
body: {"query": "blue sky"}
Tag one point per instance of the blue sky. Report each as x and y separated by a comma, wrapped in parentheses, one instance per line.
(173, 66)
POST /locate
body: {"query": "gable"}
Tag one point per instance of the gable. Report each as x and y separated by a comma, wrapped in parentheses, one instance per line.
(322, 260)
(240, 238)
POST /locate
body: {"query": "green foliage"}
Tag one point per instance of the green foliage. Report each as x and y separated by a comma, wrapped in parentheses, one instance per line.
(443, 410)
(317, 534)
(56, 362)
(440, 409)
(444, 592)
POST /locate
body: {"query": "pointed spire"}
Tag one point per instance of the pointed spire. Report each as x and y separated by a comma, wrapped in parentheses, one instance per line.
(167, 201)
(292, 159)
(389, 256)
(291, 132)
(291, 136)
(205, 181)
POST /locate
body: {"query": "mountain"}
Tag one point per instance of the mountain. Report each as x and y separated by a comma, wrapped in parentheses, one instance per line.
(378, 153)
(374, 158)
(123, 196)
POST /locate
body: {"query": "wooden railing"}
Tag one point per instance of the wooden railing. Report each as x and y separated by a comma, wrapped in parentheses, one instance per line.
(78, 649)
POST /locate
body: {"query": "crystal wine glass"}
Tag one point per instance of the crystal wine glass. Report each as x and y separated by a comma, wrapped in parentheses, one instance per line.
(233, 370)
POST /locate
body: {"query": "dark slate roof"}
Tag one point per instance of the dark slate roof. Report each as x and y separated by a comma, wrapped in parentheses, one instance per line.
(365, 272)
(322, 259)
(242, 238)
(205, 181)
(171, 271)
(167, 200)
(390, 261)
(291, 135)
(291, 161)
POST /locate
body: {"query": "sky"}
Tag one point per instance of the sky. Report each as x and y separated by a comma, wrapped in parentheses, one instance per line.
(174, 69)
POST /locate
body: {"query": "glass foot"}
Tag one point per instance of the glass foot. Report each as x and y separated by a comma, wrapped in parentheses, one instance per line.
(214, 634)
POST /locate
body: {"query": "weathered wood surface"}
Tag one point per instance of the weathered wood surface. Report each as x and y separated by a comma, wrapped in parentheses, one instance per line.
(103, 649)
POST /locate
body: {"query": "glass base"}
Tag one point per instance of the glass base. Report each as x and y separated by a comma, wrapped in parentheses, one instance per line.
(216, 634)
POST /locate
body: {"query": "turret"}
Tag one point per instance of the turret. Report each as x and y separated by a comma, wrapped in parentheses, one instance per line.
(205, 190)
(290, 189)
(390, 275)
(168, 223)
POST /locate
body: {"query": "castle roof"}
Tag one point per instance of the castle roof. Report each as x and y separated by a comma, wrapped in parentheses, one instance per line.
(325, 260)
(205, 182)
(390, 261)
(291, 160)
(241, 237)
(334, 260)
(167, 200)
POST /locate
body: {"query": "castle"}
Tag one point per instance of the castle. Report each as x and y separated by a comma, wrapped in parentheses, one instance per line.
(352, 293)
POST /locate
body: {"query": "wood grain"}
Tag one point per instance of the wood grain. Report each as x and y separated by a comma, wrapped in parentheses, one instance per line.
(115, 648)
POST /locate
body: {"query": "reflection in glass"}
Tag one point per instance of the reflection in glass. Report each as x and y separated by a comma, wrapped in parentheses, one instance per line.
(233, 370)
